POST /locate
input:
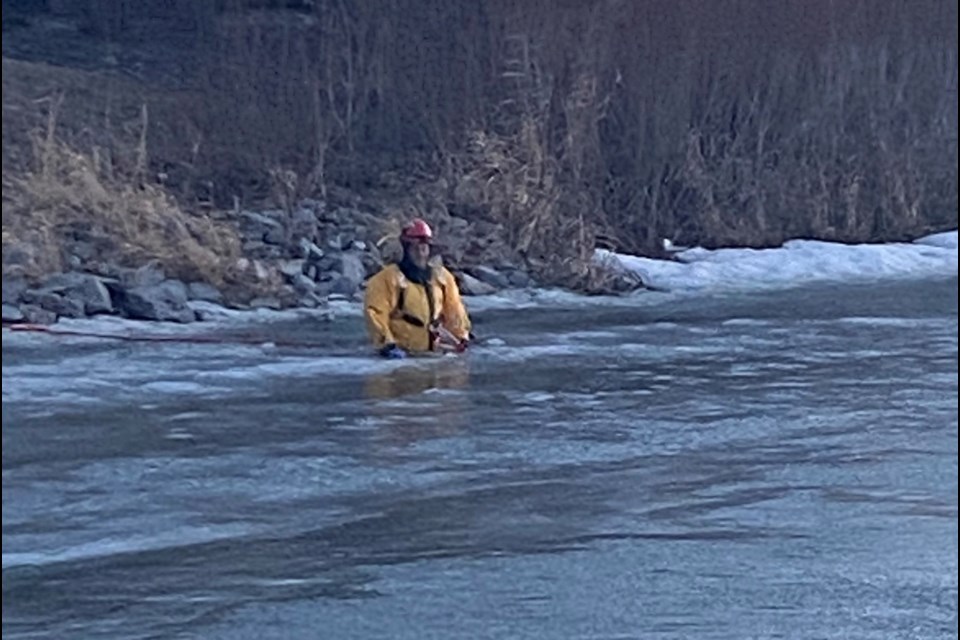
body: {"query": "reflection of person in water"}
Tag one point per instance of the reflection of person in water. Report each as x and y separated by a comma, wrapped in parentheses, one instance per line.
(400, 401)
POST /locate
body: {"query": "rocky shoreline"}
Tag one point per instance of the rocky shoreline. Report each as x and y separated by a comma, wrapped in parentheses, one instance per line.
(299, 257)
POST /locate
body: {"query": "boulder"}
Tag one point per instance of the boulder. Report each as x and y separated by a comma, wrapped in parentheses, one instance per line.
(352, 270)
(309, 250)
(166, 301)
(88, 290)
(292, 268)
(203, 291)
(520, 279)
(262, 250)
(13, 288)
(470, 286)
(371, 263)
(12, 313)
(625, 282)
(491, 276)
(176, 289)
(263, 227)
(64, 307)
(343, 285)
(53, 301)
(302, 284)
(37, 315)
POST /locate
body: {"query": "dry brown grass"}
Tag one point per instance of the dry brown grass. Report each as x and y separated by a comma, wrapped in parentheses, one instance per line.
(68, 196)
(545, 219)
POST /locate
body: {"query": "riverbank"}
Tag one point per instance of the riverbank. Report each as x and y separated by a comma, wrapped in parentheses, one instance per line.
(157, 154)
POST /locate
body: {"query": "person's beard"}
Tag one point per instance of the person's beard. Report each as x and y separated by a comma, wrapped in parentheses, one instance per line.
(412, 271)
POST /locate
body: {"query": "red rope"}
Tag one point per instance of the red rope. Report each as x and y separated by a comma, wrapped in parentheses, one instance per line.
(209, 339)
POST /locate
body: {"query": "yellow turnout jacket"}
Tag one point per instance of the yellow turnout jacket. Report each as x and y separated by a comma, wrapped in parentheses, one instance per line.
(398, 311)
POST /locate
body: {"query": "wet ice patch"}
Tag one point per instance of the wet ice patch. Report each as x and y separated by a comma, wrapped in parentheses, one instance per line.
(180, 387)
(114, 545)
(886, 321)
(537, 397)
(744, 322)
(589, 335)
(518, 353)
(179, 434)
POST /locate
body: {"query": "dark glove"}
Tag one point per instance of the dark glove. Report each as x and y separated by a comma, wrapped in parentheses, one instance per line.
(392, 351)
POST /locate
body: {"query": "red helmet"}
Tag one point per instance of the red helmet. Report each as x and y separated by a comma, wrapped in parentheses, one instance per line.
(418, 229)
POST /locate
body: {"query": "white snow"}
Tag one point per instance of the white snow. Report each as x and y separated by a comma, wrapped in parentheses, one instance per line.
(797, 262)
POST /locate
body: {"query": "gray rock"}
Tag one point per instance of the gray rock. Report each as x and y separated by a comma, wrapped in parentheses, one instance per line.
(347, 240)
(32, 296)
(95, 295)
(63, 281)
(302, 284)
(148, 275)
(12, 313)
(13, 288)
(625, 282)
(176, 289)
(266, 302)
(88, 290)
(55, 302)
(343, 285)
(253, 246)
(352, 269)
(312, 272)
(164, 302)
(292, 268)
(313, 300)
(520, 279)
(329, 263)
(371, 264)
(470, 286)
(275, 236)
(309, 250)
(63, 306)
(37, 315)
(490, 276)
(323, 288)
(203, 291)
(257, 226)
(262, 250)
(303, 224)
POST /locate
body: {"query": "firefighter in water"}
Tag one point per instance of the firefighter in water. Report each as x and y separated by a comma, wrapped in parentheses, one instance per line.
(414, 305)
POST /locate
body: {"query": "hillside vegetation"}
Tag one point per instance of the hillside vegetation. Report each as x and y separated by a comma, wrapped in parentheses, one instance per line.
(564, 124)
